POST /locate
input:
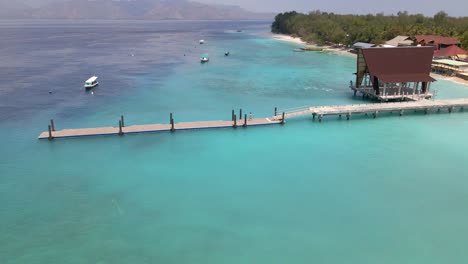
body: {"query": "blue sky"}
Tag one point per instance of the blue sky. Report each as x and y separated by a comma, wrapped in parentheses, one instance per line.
(427, 7)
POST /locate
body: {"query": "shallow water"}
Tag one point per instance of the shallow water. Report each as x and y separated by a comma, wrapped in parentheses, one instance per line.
(385, 190)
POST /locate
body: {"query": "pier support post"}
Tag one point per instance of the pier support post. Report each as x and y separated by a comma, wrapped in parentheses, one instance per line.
(122, 119)
(339, 116)
(313, 115)
(172, 124)
(401, 112)
(320, 118)
(375, 114)
(348, 116)
(245, 120)
(282, 119)
(426, 111)
(232, 115)
(240, 114)
(235, 121)
(276, 111)
(120, 128)
(355, 92)
(450, 109)
(50, 133)
(438, 110)
(52, 125)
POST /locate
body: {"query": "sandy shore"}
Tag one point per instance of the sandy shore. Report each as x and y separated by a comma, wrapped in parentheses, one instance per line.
(346, 53)
(288, 38)
(299, 41)
(449, 78)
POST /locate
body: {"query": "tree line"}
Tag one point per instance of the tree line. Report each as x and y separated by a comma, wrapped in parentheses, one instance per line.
(329, 28)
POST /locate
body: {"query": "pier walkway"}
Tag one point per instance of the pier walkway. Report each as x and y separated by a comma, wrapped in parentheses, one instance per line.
(348, 110)
(120, 130)
(315, 111)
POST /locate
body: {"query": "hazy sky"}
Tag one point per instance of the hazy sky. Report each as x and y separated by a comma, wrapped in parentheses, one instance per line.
(427, 7)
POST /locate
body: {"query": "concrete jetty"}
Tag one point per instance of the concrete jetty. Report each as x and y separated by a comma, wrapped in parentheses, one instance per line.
(374, 109)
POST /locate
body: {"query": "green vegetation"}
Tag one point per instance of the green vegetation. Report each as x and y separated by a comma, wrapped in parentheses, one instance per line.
(321, 27)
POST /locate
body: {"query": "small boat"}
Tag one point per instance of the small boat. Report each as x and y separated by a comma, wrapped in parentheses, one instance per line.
(239, 30)
(91, 82)
(226, 53)
(204, 58)
(202, 41)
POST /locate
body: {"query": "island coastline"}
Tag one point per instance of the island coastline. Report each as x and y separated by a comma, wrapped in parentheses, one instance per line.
(345, 52)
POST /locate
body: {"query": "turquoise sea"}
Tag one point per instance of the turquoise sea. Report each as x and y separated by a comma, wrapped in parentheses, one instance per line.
(385, 190)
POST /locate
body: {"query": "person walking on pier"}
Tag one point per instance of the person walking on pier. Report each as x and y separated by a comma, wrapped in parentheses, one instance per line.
(250, 116)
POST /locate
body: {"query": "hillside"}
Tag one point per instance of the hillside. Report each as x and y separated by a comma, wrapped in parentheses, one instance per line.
(129, 9)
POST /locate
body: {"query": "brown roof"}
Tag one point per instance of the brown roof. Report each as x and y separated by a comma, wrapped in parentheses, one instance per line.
(430, 39)
(450, 51)
(402, 64)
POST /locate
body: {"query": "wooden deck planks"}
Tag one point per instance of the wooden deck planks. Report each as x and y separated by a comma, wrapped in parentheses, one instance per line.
(102, 131)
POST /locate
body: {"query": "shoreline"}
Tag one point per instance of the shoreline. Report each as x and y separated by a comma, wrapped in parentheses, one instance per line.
(344, 52)
(454, 79)
(288, 38)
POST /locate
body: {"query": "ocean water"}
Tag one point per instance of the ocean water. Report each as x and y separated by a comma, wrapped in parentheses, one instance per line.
(385, 190)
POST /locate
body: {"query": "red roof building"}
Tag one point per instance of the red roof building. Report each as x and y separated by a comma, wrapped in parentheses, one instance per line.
(393, 73)
(437, 41)
(409, 64)
(450, 51)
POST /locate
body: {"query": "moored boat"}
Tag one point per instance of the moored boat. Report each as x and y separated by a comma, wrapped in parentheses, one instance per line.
(91, 82)
(204, 58)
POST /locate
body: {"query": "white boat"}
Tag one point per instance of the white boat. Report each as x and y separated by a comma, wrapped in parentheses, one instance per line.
(202, 41)
(91, 82)
(204, 58)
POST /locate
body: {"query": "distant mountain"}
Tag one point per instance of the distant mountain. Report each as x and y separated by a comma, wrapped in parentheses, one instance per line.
(12, 9)
(129, 9)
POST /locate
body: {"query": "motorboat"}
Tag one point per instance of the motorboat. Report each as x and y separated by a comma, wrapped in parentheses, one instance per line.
(91, 82)
(202, 41)
(204, 58)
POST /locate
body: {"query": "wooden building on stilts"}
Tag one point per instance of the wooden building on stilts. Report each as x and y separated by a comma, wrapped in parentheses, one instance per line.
(394, 74)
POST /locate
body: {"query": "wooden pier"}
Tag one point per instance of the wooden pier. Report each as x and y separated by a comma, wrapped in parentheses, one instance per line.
(316, 112)
(133, 129)
(375, 109)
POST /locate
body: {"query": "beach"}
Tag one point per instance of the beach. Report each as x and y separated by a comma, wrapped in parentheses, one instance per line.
(288, 38)
(345, 52)
(325, 48)
(450, 78)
